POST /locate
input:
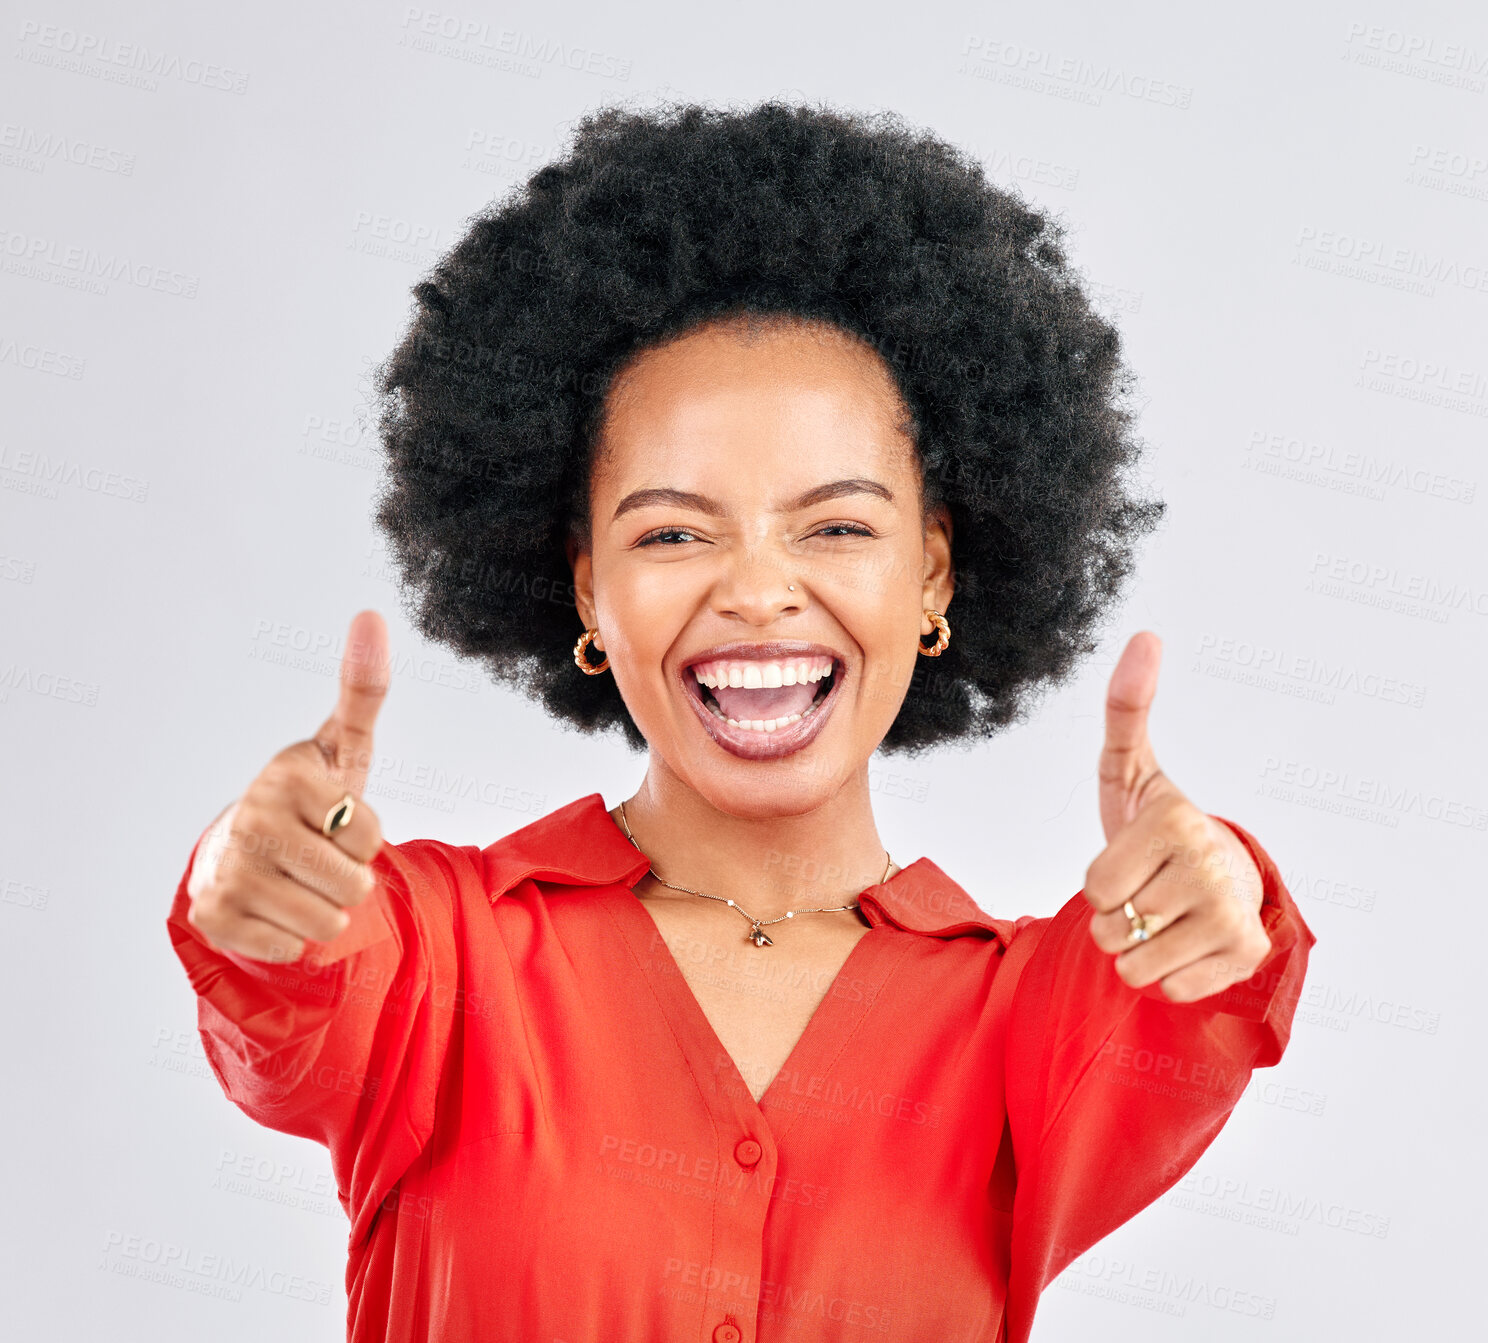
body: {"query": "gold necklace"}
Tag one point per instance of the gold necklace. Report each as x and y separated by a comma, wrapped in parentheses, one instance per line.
(756, 933)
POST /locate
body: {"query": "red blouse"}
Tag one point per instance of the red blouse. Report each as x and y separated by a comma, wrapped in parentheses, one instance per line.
(537, 1135)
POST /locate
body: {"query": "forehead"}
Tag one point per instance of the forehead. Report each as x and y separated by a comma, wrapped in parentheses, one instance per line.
(774, 394)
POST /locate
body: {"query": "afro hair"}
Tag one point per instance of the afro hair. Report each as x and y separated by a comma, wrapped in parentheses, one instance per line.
(658, 220)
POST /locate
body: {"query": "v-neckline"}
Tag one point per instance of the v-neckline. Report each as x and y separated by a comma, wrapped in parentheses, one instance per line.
(826, 1033)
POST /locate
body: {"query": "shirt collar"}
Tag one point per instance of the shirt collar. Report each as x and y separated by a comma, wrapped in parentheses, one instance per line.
(580, 845)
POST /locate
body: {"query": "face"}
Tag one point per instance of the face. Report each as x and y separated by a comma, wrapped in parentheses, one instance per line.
(759, 559)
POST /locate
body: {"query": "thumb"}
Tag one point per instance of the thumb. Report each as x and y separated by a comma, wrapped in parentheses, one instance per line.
(345, 738)
(1127, 762)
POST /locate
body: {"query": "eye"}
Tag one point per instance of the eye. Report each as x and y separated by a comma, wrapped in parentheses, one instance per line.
(842, 529)
(670, 536)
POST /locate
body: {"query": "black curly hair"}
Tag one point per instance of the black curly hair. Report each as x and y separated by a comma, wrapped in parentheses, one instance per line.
(661, 219)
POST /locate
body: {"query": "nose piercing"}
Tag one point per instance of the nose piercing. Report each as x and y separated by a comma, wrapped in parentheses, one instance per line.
(791, 588)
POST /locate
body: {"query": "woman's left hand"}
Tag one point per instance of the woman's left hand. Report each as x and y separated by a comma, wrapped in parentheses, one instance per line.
(1187, 874)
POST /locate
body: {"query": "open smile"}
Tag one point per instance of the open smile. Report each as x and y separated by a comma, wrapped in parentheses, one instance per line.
(763, 701)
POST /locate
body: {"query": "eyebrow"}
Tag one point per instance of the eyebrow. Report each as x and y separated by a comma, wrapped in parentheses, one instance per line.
(700, 503)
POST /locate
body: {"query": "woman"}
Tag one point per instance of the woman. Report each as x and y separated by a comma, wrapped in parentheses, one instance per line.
(824, 442)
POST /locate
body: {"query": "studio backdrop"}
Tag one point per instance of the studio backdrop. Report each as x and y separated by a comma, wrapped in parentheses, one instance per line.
(212, 220)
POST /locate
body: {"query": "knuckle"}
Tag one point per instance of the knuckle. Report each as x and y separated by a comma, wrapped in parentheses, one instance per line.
(282, 947)
(328, 923)
(1225, 915)
(1172, 815)
(1177, 990)
(252, 820)
(1258, 947)
(280, 775)
(353, 884)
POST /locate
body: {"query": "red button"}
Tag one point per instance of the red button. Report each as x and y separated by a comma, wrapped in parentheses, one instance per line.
(727, 1333)
(748, 1152)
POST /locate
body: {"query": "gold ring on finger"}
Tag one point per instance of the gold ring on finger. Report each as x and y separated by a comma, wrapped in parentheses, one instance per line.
(1140, 931)
(339, 816)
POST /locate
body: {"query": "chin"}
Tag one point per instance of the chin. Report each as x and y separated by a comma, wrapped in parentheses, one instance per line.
(791, 786)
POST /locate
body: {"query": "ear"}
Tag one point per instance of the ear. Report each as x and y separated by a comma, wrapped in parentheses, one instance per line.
(940, 577)
(580, 562)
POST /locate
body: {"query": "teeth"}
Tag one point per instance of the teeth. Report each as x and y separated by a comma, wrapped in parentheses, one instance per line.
(755, 674)
(763, 725)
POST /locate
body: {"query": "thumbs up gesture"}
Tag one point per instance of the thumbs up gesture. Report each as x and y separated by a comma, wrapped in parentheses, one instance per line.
(268, 877)
(1176, 895)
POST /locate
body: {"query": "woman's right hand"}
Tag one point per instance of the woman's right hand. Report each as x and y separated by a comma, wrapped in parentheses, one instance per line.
(265, 878)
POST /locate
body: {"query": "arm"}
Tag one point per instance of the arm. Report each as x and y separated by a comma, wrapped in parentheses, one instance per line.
(1115, 1092)
(342, 1045)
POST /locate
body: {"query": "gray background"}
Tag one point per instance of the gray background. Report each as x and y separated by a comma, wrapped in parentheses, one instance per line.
(1283, 207)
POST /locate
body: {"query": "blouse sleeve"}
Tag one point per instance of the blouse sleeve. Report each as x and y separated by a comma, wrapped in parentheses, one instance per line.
(1113, 1093)
(345, 1044)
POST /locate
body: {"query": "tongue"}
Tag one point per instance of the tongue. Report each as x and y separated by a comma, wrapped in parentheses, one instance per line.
(762, 705)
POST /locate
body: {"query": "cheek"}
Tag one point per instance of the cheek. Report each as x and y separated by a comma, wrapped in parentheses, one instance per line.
(885, 624)
(641, 611)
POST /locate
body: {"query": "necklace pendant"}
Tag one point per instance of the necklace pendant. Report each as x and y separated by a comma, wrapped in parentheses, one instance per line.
(759, 937)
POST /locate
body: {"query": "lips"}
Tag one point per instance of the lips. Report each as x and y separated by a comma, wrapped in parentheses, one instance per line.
(763, 701)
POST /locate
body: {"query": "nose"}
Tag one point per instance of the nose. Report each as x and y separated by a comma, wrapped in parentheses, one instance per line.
(757, 587)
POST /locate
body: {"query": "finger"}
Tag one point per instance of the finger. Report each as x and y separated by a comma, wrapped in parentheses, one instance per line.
(271, 898)
(309, 789)
(253, 938)
(1130, 694)
(1127, 774)
(334, 879)
(1160, 903)
(272, 834)
(345, 738)
(323, 867)
(1190, 938)
(1170, 830)
(1209, 975)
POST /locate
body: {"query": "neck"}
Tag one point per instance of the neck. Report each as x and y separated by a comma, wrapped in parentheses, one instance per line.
(820, 858)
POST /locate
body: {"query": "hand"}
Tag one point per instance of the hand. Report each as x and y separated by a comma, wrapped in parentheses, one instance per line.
(1187, 874)
(265, 878)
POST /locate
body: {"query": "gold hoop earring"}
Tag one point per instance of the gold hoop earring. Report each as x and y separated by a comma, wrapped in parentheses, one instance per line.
(581, 657)
(942, 635)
